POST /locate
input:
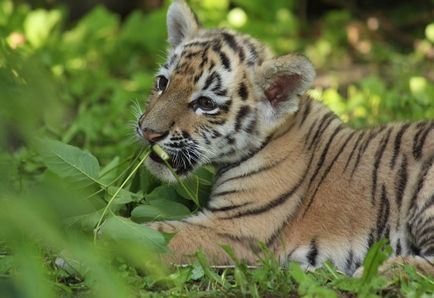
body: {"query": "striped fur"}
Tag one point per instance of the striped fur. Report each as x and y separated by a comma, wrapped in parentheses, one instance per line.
(290, 173)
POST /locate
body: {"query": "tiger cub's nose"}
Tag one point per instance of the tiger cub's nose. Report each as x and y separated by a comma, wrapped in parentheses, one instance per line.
(151, 135)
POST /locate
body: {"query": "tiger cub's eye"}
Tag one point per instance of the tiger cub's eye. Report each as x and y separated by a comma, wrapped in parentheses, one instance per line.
(161, 83)
(205, 103)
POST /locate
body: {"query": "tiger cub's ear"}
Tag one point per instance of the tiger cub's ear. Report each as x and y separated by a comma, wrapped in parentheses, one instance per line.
(282, 79)
(182, 23)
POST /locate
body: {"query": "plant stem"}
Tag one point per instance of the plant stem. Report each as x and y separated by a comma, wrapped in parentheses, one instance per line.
(194, 198)
(98, 225)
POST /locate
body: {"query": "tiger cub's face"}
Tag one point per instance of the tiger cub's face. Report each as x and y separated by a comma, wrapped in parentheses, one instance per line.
(218, 97)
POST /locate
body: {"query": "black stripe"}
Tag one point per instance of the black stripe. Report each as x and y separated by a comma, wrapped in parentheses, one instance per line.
(371, 238)
(217, 121)
(214, 76)
(190, 55)
(398, 248)
(427, 242)
(378, 155)
(254, 172)
(273, 237)
(332, 163)
(204, 60)
(230, 41)
(383, 213)
(349, 261)
(418, 220)
(215, 134)
(323, 156)
(313, 253)
(226, 106)
(195, 224)
(309, 132)
(428, 204)
(250, 242)
(223, 92)
(216, 46)
(278, 201)
(401, 182)
(241, 53)
(307, 107)
(361, 134)
(285, 222)
(419, 140)
(197, 43)
(288, 256)
(226, 208)
(230, 140)
(250, 128)
(205, 137)
(227, 167)
(176, 145)
(413, 249)
(324, 123)
(427, 164)
(272, 204)
(224, 193)
(197, 77)
(225, 61)
(426, 230)
(172, 59)
(429, 251)
(364, 146)
(242, 113)
(242, 91)
(397, 144)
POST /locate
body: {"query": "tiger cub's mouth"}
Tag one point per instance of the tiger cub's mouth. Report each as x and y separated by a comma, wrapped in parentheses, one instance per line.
(156, 158)
(181, 161)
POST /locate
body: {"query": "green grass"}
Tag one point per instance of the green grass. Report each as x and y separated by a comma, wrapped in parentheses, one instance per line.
(73, 195)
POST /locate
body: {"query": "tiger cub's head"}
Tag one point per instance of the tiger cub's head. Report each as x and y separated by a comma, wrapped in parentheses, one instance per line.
(218, 97)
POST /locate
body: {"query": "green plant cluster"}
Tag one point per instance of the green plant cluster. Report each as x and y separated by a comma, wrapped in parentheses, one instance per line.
(73, 195)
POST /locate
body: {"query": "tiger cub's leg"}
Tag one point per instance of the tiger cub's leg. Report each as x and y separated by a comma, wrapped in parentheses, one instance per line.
(394, 265)
(196, 233)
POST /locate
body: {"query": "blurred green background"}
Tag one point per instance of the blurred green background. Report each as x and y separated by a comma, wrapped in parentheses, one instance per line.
(79, 72)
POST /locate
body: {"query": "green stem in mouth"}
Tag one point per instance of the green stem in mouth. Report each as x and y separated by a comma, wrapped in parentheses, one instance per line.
(165, 157)
(106, 209)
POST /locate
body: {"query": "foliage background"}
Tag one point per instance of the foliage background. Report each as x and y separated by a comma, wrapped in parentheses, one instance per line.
(79, 72)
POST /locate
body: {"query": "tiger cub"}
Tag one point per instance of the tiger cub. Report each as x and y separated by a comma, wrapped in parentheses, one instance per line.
(290, 174)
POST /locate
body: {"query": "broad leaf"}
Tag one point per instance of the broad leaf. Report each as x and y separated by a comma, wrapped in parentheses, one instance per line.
(69, 161)
(123, 196)
(109, 173)
(159, 210)
(162, 192)
(124, 230)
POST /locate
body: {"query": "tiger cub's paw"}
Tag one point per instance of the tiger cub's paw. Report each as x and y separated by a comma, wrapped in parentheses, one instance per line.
(389, 268)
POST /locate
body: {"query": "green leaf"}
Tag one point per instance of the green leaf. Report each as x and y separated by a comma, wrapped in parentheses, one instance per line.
(197, 271)
(159, 210)
(209, 272)
(124, 196)
(377, 254)
(108, 173)
(147, 182)
(39, 24)
(124, 230)
(166, 192)
(69, 161)
(6, 263)
(192, 184)
(429, 32)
